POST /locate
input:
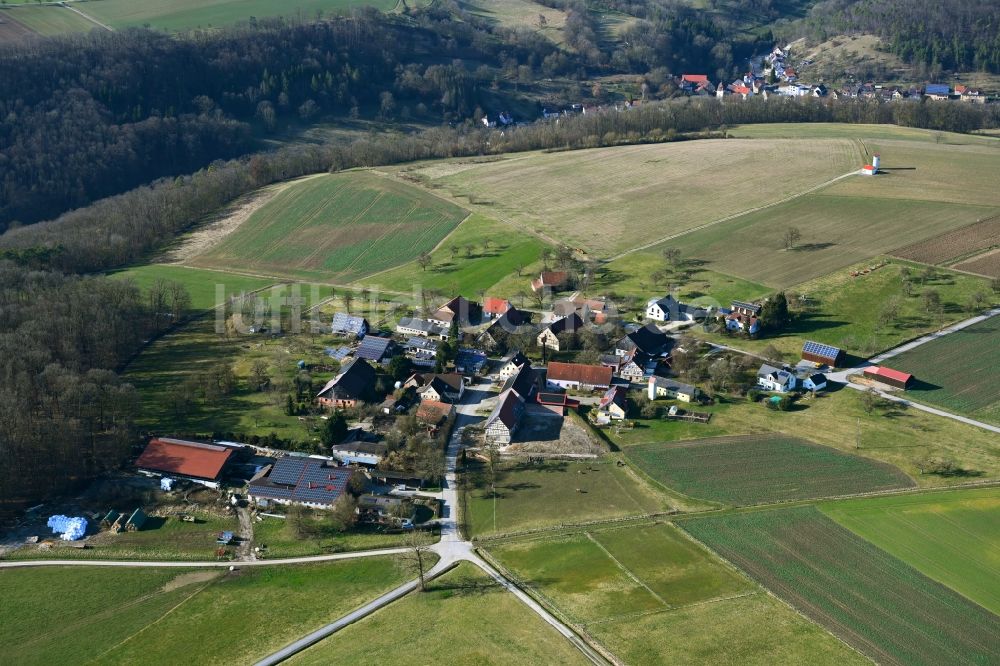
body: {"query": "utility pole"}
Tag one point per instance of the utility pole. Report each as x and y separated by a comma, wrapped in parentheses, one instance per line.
(857, 441)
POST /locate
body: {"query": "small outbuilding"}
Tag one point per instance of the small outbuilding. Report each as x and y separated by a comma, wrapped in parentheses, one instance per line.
(889, 377)
(817, 352)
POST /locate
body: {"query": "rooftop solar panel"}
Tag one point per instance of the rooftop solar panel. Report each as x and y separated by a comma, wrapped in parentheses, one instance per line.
(373, 348)
(820, 349)
(287, 470)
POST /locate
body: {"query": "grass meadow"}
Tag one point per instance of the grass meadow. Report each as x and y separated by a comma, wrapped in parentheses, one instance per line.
(651, 595)
(958, 371)
(613, 199)
(859, 131)
(760, 469)
(877, 603)
(201, 284)
(952, 537)
(463, 617)
(152, 616)
(282, 540)
(336, 227)
(50, 20)
(902, 438)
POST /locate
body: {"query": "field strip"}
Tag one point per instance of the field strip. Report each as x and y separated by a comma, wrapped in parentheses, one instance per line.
(88, 17)
(729, 218)
(625, 569)
(389, 228)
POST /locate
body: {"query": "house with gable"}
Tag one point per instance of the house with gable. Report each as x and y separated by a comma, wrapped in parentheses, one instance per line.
(460, 311)
(613, 405)
(550, 280)
(661, 387)
(495, 307)
(647, 340)
(549, 337)
(775, 379)
(353, 385)
(510, 364)
(743, 317)
(349, 325)
(504, 420)
(447, 387)
(510, 322)
(578, 376)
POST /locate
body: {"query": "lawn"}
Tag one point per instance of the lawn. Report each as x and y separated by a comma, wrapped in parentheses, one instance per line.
(202, 285)
(167, 538)
(177, 15)
(150, 616)
(651, 595)
(282, 540)
(568, 492)
(958, 371)
(473, 258)
(759, 469)
(50, 20)
(837, 230)
(612, 199)
(877, 603)
(952, 537)
(845, 311)
(336, 227)
(903, 438)
(464, 617)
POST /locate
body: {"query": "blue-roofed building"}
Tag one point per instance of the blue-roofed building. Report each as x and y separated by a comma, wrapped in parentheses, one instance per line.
(469, 361)
(295, 480)
(817, 352)
(937, 90)
(375, 349)
(348, 325)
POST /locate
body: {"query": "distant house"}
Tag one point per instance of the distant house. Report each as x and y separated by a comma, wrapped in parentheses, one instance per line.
(743, 317)
(360, 453)
(888, 376)
(817, 352)
(201, 463)
(775, 379)
(511, 321)
(648, 340)
(355, 384)
(495, 307)
(613, 406)
(550, 280)
(504, 420)
(510, 364)
(434, 413)
(460, 311)
(421, 327)
(661, 387)
(447, 387)
(667, 308)
(549, 337)
(348, 325)
(577, 376)
(937, 91)
(295, 480)
(375, 349)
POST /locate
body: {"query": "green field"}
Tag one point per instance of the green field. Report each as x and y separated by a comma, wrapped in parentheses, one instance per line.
(837, 231)
(757, 469)
(952, 537)
(336, 227)
(50, 20)
(283, 541)
(613, 199)
(877, 603)
(202, 285)
(958, 371)
(555, 493)
(176, 15)
(464, 263)
(651, 595)
(852, 131)
(152, 616)
(462, 618)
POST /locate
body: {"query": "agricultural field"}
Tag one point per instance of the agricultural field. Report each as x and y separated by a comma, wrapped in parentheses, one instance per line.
(335, 227)
(757, 469)
(44, 20)
(11, 30)
(857, 131)
(463, 614)
(639, 193)
(954, 245)
(875, 602)
(179, 15)
(952, 537)
(519, 14)
(476, 256)
(957, 371)
(150, 616)
(649, 594)
(201, 285)
(571, 492)
(837, 231)
(987, 264)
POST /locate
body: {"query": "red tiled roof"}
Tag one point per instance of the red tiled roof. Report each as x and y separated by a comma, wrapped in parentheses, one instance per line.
(496, 306)
(433, 412)
(695, 78)
(889, 373)
(174, 456)
(595, 375)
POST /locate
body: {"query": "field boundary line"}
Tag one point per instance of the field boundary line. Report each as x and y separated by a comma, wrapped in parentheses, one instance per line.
(87, 16)
(729, 218)
(628, 572)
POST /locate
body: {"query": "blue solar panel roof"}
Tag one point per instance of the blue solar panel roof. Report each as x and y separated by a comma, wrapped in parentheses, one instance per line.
(819, 349)
(373, 348)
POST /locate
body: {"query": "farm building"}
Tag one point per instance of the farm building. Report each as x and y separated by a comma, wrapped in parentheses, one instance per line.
(201, 463)
(614, 405)
(294, 480)
(349, 325)
(354, 384)
(434, 413)
(888, 376)
(376, 349)
(458, 310)
(871, 169)
(549, 337)
(136, 520)
(550, 280)
(495, 307)
(661, 387)
(421, 327)
(578, 376)
(447, 387)
(775, 379)
(358, 452)
(822, 354)
(503, 422)
(522, 381)
(648, 340)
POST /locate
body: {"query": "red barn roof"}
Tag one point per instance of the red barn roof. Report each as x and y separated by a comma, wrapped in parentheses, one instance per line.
(176, 456)
(889, 373)
(495, 306)
(695, 78)
(594, 375)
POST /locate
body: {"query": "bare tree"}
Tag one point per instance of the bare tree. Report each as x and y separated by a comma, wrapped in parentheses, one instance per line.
(672, 256)
(417, 556)
(792, 236)
(424, 260)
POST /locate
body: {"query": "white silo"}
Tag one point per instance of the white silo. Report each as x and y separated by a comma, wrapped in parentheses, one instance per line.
(875, 162)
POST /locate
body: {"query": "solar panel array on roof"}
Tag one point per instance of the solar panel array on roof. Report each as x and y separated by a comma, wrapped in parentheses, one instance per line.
(373, 348)
(286, 470)
(338, 354)
(302, 480)
(820, 349)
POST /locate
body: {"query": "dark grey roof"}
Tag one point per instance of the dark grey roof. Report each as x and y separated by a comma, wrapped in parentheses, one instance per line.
(570, 323)
(355, 381)
(522, 381)
(508, 410)
(422, 325)
(648, 340)
(302, 480)
(663, 382)
(374, 348)
(345, 323)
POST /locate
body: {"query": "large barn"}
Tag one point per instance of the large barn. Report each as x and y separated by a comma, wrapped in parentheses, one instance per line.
(202, 463)
(889, 377)
(817, 352)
